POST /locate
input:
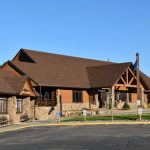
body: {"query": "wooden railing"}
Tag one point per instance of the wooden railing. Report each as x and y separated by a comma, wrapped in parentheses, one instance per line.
(46, 102)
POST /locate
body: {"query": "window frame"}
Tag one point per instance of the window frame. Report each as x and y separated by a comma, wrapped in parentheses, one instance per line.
(18, 109)
(74, 96)
(2, 107)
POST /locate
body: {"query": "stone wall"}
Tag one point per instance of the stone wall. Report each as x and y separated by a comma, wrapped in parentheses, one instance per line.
(74, 106)
(12, 110)
(43, 113)
(26, 106)
(69, 108)
(132, 105)
(32, 111)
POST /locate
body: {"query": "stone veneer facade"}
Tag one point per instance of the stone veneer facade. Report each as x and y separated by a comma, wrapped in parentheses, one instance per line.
(12, 115)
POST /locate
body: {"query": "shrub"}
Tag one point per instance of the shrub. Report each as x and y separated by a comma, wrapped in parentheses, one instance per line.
(126, 106)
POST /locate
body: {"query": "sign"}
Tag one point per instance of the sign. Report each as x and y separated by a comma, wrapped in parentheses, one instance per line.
(140, 111)
(138, 102)
(58, 114)
(84, 112)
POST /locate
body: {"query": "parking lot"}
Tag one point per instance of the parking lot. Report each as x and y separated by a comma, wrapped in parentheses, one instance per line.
(103, 137)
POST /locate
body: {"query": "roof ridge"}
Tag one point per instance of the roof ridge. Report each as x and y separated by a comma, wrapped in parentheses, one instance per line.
(69, 56)
(103, 65)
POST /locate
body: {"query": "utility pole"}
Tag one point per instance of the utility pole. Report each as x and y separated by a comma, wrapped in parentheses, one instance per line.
(139, 98)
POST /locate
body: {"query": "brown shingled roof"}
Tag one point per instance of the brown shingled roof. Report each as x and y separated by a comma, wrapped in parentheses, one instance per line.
(55, 70)
(145, 80)
(10, 83)
(106, 75)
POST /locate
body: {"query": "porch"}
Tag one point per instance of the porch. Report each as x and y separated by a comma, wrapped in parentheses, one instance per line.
(47, 97)
(123, 90)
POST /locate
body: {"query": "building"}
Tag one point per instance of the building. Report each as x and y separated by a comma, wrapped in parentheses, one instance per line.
(16, 96)
(65, 83)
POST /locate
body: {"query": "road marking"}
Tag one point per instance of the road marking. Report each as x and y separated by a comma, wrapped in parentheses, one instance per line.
(77, 124)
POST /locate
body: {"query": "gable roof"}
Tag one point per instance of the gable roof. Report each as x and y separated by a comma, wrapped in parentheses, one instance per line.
(145, 80)
(106, 75)
(66, 71)
(10, 83)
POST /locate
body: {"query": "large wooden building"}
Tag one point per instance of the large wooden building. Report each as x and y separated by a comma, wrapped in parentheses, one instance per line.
(65, 83)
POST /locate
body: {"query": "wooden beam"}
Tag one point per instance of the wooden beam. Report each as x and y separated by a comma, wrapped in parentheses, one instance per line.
(113, 95)
(131, 80)
(132, 73)
(123, 80)
(127, 85)
(127, 76)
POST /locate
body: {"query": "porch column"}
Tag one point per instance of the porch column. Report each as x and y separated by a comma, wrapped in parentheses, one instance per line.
(59, 103)
(26, 106)
(113, 96)
(12, 110)
(142, 96)
(96, 100)
(108, 99)
(128, 99)
(32, 106)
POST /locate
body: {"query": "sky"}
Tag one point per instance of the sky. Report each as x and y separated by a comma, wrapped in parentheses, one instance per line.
(96, 29)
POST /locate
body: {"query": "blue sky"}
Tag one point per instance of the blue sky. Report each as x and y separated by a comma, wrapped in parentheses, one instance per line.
(97, 29)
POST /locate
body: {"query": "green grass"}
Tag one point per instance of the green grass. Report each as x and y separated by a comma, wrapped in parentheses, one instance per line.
(105, 118)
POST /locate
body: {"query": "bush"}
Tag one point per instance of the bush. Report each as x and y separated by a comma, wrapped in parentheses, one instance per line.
(126, 106)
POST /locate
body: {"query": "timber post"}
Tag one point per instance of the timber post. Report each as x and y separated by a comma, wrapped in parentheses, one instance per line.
(112, 102)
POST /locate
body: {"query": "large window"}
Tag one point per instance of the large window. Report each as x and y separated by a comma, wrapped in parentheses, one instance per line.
(19, 106)
(77, 96)
(121, 96)
(3, 105)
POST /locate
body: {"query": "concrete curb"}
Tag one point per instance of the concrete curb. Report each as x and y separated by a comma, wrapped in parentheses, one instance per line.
(77, 124)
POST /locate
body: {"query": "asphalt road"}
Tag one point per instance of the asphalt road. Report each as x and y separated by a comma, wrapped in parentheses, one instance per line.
(114, 137)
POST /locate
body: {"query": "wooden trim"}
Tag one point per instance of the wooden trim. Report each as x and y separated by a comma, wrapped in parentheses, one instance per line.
(127, 75)
(132, 73)
(121, 75)
(22, 50)
(126, 85)
(123, 80)
(131, 80)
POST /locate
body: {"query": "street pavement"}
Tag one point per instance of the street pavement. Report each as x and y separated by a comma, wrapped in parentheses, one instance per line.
(98, 137)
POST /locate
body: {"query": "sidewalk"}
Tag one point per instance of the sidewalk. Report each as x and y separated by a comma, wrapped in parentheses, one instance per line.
(26, 125)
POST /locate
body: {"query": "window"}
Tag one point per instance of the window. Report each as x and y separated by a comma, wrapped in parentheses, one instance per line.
(77, 96)
(46, 96)
(19, 106)
(121, 96)
(3, 105)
